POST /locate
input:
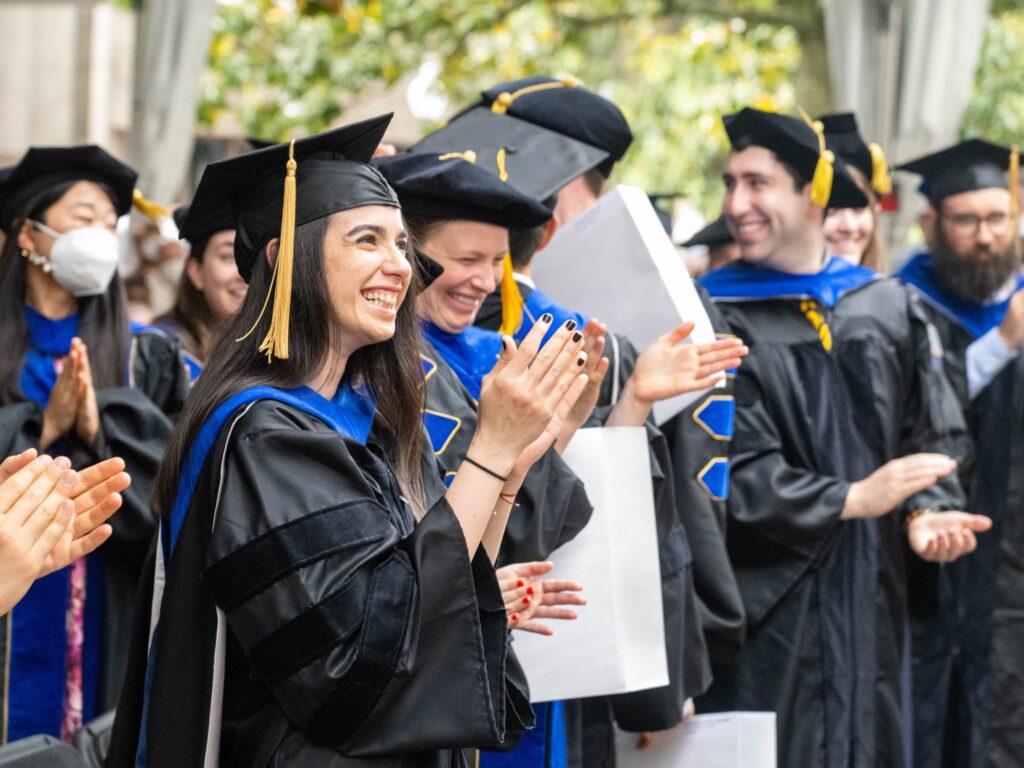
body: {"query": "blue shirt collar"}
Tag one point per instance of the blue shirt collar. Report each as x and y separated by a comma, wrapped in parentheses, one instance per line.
(51, 337)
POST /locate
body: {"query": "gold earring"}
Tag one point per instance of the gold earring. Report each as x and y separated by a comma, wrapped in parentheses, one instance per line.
(24, 253)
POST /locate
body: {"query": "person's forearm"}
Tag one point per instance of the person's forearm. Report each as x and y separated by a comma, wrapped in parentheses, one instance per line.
(495, 530)
(473, 494)
(629, 411)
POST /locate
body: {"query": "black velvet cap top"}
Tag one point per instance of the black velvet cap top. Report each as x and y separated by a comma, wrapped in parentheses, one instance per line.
(530, 157)
(452, 186)
(246, 193)
(965, 167)
(715, 233)
(567, 108)
(796, 143)
(43, 167)
(842, 136)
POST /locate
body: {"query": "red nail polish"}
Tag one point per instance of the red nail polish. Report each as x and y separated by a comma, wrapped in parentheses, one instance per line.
(514, 617)
(529, 590)
(520, 582)
(526, 601)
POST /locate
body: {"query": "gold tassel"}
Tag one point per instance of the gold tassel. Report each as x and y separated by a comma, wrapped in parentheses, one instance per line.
(148, 208)
(275, 343)
(880, 181)
(812, 312)
(1014, 179)
(502, 173)
(469, 156)
(511, 299)
(501, 104)
(821, 184)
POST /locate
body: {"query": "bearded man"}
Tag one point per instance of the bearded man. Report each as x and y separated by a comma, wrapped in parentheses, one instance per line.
(968, 637)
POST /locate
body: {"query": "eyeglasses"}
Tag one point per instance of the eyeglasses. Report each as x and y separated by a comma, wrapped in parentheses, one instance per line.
(968, 223)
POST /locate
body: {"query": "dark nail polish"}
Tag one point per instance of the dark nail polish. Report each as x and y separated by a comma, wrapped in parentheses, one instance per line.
(546, 317)
(576, 337)
(570, 325)
(580, 361)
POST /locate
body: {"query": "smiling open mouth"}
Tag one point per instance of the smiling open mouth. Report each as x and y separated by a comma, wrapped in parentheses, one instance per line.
(384, 299)
(470, 302)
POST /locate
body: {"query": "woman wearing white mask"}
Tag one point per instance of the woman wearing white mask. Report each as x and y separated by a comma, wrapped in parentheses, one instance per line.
(76, 379)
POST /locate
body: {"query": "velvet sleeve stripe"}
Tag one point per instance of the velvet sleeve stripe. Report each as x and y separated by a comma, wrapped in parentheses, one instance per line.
(252, 568)
(310, 634)
(385, 629)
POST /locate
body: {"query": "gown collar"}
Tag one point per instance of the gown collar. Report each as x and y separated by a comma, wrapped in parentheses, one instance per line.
(350, 413)
(471, 354)
(918, 273)
(741, 281)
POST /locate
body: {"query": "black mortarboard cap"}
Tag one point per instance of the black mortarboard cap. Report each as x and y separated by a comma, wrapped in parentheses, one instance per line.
(715, 233)
(796, 142)
(43, 167)
(246, 193)
(567, 108)
(532, 158)
(452, 186)
(843, 137)
(965, 167)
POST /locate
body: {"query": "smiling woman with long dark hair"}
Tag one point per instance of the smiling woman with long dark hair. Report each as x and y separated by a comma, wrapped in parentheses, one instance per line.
(319, 596)
(76, 379)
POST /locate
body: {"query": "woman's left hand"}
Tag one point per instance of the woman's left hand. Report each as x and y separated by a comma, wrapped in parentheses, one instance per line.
(87, 423)
(528, 597)
(942, 537)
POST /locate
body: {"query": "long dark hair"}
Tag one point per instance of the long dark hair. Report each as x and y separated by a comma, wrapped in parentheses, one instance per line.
(390, 369)
(102, 320)
(191, 311)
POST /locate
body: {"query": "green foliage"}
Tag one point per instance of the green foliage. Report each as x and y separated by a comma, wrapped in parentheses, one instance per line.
(996, 109)
(282, 68)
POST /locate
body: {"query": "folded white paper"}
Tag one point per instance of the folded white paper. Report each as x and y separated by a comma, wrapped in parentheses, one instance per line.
(617, 644)
(723, 740)
(615, 262)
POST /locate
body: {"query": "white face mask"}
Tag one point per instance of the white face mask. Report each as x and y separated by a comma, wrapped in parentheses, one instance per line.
(82, 261)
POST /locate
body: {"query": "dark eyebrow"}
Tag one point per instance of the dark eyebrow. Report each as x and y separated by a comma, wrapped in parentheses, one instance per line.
(375, 228)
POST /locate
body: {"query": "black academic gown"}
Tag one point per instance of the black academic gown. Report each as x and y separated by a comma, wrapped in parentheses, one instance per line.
(307, 620)
(135, 423)
(968, 651)
(698, 441)
(825, 598)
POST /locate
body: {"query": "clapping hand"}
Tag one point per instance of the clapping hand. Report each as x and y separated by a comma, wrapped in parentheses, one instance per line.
(72, 403)
(529, 598)
(668, 367)
(50, 516)
(942, 537)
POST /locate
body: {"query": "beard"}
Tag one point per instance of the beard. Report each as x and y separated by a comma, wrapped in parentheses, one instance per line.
(977, 273)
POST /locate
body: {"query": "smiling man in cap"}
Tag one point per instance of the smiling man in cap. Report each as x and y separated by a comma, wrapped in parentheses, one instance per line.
(838, 384)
